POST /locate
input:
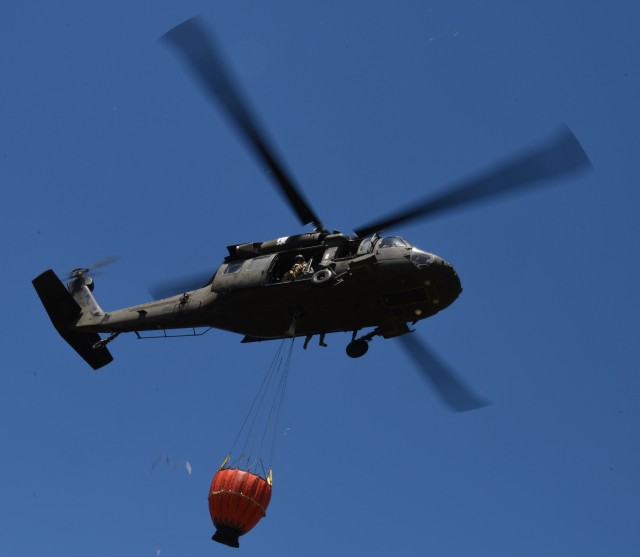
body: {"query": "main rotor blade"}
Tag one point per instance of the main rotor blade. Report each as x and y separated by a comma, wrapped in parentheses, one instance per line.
(558, 156)
(180, 285)
(452, 391)
(199, 50)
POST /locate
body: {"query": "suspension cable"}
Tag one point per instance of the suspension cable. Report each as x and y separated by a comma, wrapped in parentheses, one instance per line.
(273, 385)
(276, 405)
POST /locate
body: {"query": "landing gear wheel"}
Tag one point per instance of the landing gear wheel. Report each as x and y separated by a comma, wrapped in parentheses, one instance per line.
(357, 348)
(322, 277)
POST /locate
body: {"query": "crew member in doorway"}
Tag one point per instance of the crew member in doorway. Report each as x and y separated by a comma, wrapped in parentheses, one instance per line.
(299, 267)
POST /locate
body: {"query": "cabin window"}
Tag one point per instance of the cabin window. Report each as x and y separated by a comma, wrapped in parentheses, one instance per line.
(233, 268)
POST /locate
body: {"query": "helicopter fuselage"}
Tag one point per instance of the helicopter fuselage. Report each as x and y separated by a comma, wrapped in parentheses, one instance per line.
(347, 285)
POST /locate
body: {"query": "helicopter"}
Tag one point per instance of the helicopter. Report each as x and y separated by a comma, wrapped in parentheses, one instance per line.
(341, 283)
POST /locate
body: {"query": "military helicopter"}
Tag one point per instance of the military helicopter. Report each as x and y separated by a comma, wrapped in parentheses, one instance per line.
(342, 283)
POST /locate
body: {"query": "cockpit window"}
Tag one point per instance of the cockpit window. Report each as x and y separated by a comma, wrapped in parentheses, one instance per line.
(421, 258)
(364, 247)
(392, 242)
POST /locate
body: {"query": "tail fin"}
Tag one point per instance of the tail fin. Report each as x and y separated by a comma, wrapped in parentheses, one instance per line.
(63, 310)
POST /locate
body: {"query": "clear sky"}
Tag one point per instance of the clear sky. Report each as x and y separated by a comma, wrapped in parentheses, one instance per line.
(108, 147)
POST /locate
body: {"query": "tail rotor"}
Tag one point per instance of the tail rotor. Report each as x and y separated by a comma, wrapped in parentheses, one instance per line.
(81, 273)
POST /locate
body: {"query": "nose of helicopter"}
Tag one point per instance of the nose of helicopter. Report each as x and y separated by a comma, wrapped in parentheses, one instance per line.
(442, 282)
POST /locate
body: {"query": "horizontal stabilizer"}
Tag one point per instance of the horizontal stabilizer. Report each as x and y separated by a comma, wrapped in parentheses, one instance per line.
(63, 310)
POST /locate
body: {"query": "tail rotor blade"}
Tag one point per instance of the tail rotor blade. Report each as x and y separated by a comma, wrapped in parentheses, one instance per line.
(104, 262)
(96, 265)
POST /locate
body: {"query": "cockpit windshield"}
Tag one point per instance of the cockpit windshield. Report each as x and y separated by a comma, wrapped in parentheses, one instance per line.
(421, 258)
(366, 246)
(392, 242)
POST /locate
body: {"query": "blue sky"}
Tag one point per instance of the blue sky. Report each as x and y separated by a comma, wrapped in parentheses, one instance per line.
(109, 147)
